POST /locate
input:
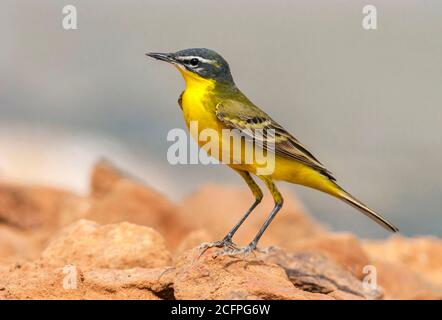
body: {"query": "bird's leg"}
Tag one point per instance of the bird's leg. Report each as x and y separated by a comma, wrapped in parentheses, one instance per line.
(226, 242)
(277, 197)
(258, 197)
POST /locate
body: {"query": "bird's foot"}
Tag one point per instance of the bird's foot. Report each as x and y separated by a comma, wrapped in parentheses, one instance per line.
(251, 248)
(226, 243)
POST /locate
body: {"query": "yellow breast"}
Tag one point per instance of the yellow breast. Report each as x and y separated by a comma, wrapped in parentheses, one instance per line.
(197, 101)
(199, 106)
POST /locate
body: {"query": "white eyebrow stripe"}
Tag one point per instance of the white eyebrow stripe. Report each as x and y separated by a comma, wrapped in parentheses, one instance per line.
(213, 62)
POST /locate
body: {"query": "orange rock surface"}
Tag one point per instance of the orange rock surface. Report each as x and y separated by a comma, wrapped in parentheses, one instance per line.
(125, 240)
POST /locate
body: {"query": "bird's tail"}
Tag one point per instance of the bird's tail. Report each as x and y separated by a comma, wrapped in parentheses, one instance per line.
(324, 183)
(348, 198)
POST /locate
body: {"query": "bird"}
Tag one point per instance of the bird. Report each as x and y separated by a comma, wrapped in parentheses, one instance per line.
(212, 99)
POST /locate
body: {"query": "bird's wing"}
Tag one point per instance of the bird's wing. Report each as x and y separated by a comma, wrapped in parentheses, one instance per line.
(256, 125)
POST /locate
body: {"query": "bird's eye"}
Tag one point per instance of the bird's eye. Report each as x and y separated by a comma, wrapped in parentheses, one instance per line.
(194, 62)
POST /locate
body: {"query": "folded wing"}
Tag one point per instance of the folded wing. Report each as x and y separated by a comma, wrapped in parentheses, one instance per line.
(258, 127)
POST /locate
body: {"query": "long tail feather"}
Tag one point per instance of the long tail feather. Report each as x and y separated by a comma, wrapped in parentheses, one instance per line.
(348, 198)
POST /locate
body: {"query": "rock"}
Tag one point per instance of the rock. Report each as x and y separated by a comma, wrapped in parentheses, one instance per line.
(217, 208)
(315, 272)
(31, 281)
(212, 276)
(342, 295)
(104, 176)
(158, 280)
(116, 197)
(30, 215)
(422, 255)
(400, 282)
(30, 207)
(123, 260)
(17, 244)
(193, 239)
(36, 281)
(120, 246)
(343, 248)
(72, 210)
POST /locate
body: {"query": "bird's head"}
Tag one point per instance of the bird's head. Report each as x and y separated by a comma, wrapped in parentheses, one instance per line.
(198, 63)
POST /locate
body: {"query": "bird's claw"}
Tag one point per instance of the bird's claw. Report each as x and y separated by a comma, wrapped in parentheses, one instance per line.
(225, 243)
(243, 250)
(230, 248)
(251, 248)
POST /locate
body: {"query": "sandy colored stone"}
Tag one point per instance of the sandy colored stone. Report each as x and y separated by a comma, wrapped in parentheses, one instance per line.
(213, 276)
(342, 295)
(17, 244)
(72, 210)
(314, 272)
(117, 197)
(128, 259)
(343, 248)
(421, 254)
(217, 208)
(120, 246)
(30, 207)
(157, 280)
(103, 178)
(39, 281)
(194, 239)
(400, 282)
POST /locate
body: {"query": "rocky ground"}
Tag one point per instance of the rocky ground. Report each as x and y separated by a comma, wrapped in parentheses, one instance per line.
(127, 241)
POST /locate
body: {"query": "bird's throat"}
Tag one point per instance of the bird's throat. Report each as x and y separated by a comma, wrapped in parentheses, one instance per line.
(196, 82)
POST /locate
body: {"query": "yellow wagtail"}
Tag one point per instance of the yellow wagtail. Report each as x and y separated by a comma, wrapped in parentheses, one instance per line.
(212, 99)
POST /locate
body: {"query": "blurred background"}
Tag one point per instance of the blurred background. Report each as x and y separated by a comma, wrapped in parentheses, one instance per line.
(367, 103)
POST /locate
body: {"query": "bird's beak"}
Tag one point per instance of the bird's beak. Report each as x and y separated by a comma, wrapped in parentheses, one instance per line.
(168, 57)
